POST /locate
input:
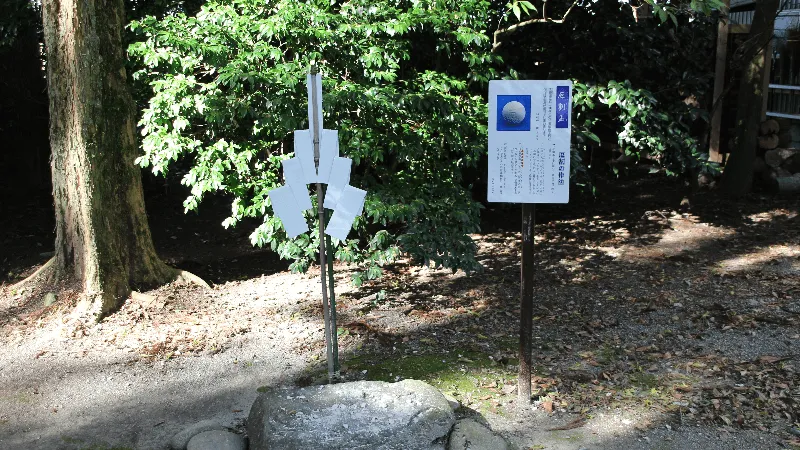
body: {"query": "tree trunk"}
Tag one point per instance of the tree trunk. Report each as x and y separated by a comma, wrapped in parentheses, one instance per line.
(103, 240)
(738, 176)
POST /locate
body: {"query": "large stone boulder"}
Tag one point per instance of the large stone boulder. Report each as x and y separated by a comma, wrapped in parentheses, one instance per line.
(409, 415)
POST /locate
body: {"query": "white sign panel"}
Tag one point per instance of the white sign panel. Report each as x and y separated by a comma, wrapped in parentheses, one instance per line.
(529, 139)
(339, 178)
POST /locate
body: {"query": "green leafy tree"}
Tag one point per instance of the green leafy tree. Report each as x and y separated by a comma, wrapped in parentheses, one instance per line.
(405, 84)
(402, 83)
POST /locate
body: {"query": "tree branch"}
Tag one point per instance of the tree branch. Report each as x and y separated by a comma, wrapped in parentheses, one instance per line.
(504, 31)
(569, 10)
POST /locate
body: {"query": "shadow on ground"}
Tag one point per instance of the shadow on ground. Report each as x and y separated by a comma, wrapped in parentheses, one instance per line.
(627, 300)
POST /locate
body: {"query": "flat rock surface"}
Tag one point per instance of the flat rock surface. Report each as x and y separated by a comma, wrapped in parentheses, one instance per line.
(468, 434)
(360, 415)
(217, 440)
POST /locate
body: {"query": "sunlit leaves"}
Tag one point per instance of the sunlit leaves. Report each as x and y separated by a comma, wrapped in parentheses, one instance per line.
(225, 89)
(659, 132)
(520, 8)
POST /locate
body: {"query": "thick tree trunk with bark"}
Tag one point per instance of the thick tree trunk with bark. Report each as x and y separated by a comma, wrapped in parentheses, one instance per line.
(738, 176)
(102, 237)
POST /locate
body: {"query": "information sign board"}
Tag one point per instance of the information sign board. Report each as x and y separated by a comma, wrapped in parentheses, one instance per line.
(529, 140)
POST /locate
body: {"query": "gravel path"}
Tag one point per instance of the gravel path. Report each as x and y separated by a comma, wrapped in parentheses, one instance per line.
(624, 430)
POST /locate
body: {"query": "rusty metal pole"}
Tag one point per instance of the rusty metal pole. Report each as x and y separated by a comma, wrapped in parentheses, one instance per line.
(332, 300)
(321, 210)
(526, 306)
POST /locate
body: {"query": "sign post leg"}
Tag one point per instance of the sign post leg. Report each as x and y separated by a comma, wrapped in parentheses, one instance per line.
(526, 307)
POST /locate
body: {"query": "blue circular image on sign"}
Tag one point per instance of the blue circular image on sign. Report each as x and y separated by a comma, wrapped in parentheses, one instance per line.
(513, 113)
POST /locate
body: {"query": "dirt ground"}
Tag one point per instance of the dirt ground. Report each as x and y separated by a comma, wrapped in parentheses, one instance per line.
(655, 326)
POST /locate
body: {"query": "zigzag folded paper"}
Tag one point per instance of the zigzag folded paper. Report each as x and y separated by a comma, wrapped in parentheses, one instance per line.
(289, 202)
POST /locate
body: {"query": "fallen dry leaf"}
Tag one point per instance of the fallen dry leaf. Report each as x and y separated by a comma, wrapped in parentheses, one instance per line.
(769, 359)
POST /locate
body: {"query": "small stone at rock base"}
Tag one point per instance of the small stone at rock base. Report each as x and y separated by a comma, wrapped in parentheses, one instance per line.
(181, 440)
(454, 403)
(470, 435)
(217, 440)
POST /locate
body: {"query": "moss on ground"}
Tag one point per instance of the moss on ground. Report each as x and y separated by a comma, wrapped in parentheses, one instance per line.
(470, 377)
(23, 398)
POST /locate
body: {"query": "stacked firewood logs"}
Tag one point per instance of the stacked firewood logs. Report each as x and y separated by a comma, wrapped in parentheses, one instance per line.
(778, 167)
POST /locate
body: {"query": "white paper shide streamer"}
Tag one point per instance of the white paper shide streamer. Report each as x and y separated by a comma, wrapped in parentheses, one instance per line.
(289, 201)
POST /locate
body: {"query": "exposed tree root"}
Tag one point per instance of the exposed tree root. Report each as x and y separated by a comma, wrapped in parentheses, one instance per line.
(190, 278)
(45, 278)
(46, 273)
(144, 299)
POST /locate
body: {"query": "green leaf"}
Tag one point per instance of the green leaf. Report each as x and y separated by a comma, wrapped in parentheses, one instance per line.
(527, 5)
(591, 136)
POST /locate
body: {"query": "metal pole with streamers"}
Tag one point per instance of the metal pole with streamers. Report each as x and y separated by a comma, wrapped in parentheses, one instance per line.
(316, 161)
